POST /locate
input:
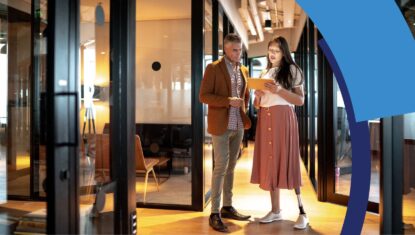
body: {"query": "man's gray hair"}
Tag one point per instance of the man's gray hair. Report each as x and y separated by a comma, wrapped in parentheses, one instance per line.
(232, 38)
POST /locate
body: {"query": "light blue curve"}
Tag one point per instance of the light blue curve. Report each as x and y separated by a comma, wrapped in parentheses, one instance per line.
(375, 51)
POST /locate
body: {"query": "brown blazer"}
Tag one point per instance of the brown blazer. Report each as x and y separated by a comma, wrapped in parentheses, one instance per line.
(215, 91)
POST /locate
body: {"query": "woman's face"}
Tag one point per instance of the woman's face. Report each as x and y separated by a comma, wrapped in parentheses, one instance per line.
(274, 54)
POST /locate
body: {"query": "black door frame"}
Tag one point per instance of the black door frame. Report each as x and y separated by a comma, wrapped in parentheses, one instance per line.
(122, 113)
(391, 175)
(62, 117)
(326, 178)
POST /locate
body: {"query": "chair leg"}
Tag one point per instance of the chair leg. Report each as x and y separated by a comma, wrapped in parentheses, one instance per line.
(145, 187)
(155, 178)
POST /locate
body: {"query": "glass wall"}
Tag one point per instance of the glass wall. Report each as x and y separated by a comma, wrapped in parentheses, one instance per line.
(375, 155)
(17, 53)
(220, 33)
(207, 143)
(343, 156)
(408, 11)
(408, 202)
(163, 102)
(96, 189)
(314, 54)
(22, 85)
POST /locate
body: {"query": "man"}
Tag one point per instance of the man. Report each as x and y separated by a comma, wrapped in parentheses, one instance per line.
(225, 92)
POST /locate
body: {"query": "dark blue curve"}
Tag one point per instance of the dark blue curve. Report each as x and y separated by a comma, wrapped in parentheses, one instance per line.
(359, 131)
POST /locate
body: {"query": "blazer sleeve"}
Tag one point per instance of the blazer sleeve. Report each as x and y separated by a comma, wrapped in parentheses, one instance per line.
(207, 90)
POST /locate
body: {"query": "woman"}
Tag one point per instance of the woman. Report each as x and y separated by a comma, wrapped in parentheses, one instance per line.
(276, 162)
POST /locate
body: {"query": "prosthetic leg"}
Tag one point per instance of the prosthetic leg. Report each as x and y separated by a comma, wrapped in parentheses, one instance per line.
(302, 221)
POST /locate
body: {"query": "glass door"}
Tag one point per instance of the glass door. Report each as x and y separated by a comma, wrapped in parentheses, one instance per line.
(22, 146)
(96, 182)
(164, 103)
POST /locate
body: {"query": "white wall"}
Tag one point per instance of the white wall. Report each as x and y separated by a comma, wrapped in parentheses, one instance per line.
(163, 96)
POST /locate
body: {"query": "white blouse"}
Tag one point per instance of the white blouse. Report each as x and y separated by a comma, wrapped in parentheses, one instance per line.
(270, 99)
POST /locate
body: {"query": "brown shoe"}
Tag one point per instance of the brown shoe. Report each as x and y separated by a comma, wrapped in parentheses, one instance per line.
(231, 213)
(216, 223)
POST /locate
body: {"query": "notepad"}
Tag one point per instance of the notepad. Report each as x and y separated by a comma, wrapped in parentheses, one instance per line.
(258, 83)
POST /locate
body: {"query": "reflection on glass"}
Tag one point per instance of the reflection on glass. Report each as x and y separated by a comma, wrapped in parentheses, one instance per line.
(408, 12)
(207, 138)
(258, 65)
(220, 33)
(17, 155)
(3, 108)
(17, 49)
(408, 202)
(96, 187)
(315, 109)
(375, 155)
(343, 157)
(163, 101)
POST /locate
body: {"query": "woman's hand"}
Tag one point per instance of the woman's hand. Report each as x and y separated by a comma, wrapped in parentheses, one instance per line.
(273, 87)
(259, 93)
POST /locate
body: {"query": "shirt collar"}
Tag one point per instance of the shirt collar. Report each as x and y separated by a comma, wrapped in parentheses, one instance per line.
(228, 61)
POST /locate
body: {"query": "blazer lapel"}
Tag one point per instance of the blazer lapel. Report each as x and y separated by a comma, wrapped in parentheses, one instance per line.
(227, 76)
(245, 80)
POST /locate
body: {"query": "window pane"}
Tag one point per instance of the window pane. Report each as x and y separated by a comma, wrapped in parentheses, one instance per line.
(163, 101)
(343, 157)
(408, 203)
(22, 159)
(207, 142)
(375, 155)
(96, 191)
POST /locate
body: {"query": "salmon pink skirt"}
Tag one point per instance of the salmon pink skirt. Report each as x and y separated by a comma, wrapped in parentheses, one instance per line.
(276, 163)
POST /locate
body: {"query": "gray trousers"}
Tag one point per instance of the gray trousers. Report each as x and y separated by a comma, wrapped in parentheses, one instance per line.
(226, 149)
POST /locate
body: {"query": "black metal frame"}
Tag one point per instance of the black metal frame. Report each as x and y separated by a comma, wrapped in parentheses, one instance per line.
(325, 138)
(198, 201)
(311, 78)
(122, 114)
(35, 103)
(62, 117)
(215, 30)
(391, 176)
(326, 119)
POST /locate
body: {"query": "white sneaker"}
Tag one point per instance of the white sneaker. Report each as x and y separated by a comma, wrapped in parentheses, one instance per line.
(302, 222)
(270, 217)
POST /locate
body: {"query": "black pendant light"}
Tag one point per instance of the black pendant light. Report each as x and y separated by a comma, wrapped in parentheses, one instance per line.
(268, 25)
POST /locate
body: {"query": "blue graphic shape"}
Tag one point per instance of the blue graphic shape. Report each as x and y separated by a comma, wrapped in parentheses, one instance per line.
(375, 51)
(359, 131)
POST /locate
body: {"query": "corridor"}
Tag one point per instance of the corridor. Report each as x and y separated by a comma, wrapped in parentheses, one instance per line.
(325, 218)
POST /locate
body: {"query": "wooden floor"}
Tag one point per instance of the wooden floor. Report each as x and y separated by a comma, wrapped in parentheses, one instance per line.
(325, 218)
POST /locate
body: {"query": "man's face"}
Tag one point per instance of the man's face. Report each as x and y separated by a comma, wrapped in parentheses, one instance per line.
(233, 51)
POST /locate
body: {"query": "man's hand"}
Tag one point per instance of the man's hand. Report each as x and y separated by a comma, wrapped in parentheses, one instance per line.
(235, 101)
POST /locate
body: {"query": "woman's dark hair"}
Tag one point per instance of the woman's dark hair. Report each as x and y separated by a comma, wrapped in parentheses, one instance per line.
(284, 75)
